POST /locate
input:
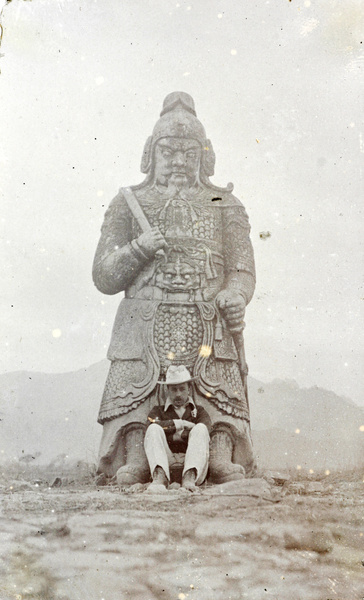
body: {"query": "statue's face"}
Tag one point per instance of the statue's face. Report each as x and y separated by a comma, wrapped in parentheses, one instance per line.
(177, 161)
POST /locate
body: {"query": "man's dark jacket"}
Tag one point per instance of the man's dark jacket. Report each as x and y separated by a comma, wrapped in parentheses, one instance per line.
(165, 418)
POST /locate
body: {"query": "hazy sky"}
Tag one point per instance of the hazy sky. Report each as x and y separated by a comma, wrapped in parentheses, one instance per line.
(279, 88)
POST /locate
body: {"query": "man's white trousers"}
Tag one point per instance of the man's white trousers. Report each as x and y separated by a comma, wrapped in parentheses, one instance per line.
(196, 457)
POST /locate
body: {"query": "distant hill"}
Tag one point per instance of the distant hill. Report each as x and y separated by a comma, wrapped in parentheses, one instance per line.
(311, 427)
(49, 415)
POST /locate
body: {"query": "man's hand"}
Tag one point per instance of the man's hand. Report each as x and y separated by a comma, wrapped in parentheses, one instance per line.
(151, 241)
(187, 424)
(232, 306)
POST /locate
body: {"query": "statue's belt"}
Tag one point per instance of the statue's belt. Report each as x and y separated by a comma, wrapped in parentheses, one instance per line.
(156, 293)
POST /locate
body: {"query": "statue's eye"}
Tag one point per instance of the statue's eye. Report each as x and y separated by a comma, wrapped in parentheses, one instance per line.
(166, 153)
(187, 271)
(191, 154)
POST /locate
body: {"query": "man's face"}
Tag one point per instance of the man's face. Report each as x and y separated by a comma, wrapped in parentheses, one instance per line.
(178, 394)
(177, 161)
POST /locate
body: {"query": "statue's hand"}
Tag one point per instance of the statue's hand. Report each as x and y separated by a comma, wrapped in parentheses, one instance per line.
(151, 241)
(232, 307)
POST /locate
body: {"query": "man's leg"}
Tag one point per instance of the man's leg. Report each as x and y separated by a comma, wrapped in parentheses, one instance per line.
(158, 454)
(197, 457)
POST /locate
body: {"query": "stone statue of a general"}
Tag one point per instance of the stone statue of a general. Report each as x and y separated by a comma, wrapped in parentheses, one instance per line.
(179, 247)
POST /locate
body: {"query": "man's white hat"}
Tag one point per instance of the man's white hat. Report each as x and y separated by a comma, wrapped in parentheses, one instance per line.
(177, 374)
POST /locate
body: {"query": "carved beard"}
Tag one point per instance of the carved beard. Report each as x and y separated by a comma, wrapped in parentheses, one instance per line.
(174, 181)
(178, 180)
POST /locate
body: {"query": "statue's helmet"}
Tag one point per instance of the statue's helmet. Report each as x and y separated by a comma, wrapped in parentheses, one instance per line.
(178, 119)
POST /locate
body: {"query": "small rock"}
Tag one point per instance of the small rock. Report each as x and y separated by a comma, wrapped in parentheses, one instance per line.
(137, 488)
(295, 488)
(280, 478)
(156, 488)
(57, 482)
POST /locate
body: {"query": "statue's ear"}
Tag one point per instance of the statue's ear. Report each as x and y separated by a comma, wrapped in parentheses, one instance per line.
(147, 156)
(208, 159)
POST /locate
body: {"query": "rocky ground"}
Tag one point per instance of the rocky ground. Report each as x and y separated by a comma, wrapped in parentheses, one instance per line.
(273, 537)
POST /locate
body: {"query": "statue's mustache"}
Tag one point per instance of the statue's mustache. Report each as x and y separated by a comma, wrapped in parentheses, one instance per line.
(170, 180)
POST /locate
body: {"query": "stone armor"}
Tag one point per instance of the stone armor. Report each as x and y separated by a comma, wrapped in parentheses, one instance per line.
(169, 314)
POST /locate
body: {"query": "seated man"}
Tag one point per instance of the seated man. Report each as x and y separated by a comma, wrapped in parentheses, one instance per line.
(178, 427)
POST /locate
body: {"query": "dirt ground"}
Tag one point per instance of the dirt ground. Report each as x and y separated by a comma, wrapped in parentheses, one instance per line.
(264, 538)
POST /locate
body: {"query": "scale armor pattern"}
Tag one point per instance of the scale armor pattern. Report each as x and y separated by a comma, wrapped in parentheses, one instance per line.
(178, 334)
(211, 370)
(231, 375)
(228, 372)
(205, 227)
(239, 256)
(121, 373)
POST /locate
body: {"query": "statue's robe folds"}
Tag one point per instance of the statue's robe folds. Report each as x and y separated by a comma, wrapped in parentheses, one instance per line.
(169, 315)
